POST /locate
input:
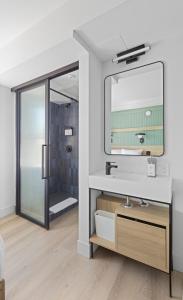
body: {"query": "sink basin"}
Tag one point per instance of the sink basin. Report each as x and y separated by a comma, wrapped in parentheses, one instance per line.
(123, 176)
(136, 185)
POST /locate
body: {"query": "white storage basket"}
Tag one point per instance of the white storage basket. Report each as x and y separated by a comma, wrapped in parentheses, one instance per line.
(105, 227)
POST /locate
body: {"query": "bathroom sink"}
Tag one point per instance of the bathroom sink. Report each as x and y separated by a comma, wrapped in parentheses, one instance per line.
(123, 176)
(136, 185)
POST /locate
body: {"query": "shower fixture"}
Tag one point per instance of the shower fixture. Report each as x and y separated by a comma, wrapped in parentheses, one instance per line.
(68, 148)
(68, 131)
(68, 105)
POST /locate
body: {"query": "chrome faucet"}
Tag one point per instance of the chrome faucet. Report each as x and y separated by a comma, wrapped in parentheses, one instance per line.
(108, 166)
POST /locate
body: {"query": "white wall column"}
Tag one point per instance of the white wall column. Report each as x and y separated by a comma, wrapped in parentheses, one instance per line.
(7, 152)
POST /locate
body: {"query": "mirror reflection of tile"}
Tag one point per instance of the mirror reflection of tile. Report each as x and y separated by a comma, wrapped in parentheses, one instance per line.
(127, 123)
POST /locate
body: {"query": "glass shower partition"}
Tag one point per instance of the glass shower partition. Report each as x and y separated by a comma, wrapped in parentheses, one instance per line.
(32, 153)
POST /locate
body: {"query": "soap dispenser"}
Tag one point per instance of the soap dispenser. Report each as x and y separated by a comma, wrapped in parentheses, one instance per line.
(151, 167)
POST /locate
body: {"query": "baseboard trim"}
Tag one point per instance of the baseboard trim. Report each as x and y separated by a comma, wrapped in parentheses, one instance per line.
(84, 249)
(178, 263)
(7, 211)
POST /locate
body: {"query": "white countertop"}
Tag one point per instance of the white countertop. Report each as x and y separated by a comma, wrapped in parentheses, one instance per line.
(136, 185)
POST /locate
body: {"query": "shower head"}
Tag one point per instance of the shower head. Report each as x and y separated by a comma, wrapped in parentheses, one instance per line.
(68, 105)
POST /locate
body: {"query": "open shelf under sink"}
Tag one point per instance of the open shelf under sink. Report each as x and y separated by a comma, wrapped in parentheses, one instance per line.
(102, 242)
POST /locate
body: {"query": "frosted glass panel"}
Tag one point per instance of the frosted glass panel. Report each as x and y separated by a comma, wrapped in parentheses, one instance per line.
(32, 137)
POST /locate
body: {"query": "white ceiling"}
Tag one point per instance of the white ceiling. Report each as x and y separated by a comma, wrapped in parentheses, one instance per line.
(17, 16)
(36, 36)
(50, 31)
(133, 23)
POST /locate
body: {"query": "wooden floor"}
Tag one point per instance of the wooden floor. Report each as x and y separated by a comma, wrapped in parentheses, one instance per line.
(44, 265)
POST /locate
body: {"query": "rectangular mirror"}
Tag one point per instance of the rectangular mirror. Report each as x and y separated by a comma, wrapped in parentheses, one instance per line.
(134, 113)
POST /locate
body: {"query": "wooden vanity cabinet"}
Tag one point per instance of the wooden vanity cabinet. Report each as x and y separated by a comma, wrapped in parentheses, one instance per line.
(108, 203)
(141, 233)
(141, 241)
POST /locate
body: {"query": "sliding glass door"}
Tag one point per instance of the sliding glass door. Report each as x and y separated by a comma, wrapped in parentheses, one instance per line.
(32, 153)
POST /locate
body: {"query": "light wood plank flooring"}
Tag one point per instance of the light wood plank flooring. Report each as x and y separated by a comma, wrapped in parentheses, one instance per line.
(44, 265)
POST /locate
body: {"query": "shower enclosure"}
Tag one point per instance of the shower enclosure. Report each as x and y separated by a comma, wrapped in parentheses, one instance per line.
(63, 152)
(39, 176)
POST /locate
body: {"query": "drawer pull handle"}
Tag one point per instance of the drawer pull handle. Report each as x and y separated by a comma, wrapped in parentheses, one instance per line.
(141, 221)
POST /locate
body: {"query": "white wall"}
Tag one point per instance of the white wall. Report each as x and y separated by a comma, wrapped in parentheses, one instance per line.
(170, 52)
(90, 134)
(83, 242)
(7, 152)
(96, 115)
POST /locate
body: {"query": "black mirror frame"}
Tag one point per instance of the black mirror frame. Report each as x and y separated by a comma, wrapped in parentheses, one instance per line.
(110, 154)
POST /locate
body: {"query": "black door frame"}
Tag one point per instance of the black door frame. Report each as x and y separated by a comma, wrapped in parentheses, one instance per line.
(45, 79)
(61, 71)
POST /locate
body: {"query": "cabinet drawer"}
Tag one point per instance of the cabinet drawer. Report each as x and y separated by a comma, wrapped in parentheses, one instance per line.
(141, 241)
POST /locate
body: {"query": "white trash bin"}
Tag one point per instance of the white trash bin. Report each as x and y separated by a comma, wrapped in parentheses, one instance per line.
(105, 227)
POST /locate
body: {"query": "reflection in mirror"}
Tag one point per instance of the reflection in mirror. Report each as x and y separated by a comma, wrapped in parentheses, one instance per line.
(134, 111)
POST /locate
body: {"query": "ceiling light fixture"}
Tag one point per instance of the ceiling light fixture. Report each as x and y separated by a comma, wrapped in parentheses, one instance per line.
(131, 55)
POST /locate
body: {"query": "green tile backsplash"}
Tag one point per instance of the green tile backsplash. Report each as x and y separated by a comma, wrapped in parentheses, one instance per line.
(136, 118)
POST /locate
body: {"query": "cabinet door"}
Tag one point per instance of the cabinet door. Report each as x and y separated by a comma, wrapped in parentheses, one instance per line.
(141, 241)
